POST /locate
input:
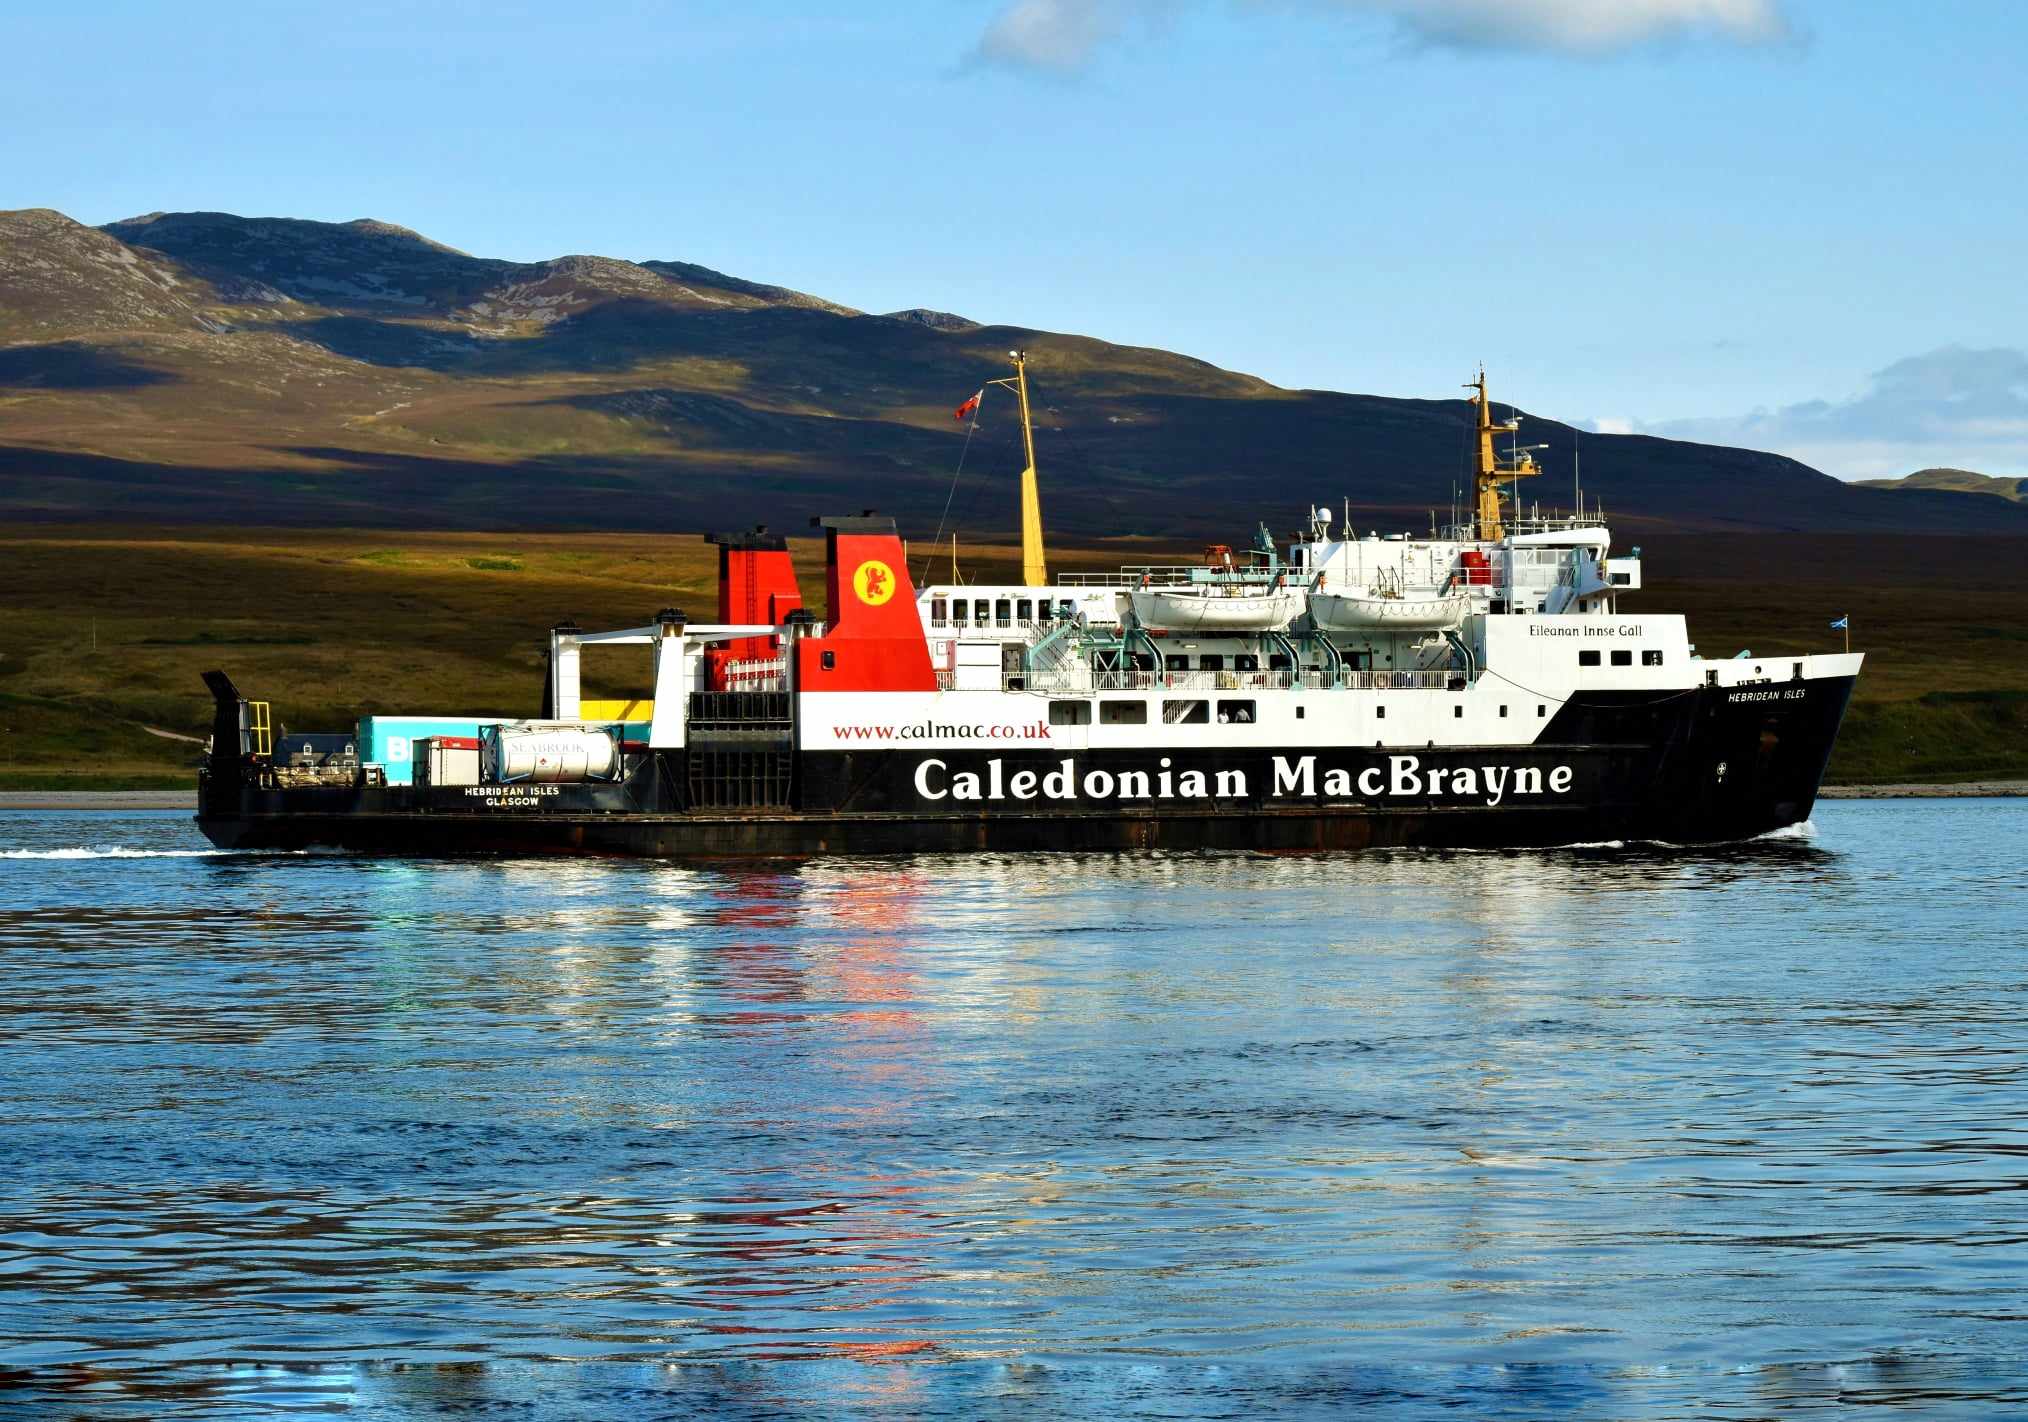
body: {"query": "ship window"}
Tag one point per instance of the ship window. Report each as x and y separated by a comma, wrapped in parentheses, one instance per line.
(1540, 712)
(1711, 678)
(940, 611)
(1380, 712)
(1066, 608)
(1186, 713)
(1588, 659)
(961, 613)
(1144, 661)
(1651, 657)
(1211, 661)
(1070, 713)
(1003, 611)
(982, 612)
(830, 661)
(1457, 713)
(1176, 661)
(1123, 713)
(1245, 661)
(1239, 713)
(1623, 656)
(1299, 713)
(1503, 712)
(1024, 611)
(1622, 580)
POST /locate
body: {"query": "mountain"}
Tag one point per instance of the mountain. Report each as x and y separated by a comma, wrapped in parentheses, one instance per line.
(1962, 481)
(204, 367)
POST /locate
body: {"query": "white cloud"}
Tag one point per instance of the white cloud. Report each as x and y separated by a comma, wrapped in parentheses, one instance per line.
(1062, 36)
(1578, 26)
(1956, 407)
(1056, 35)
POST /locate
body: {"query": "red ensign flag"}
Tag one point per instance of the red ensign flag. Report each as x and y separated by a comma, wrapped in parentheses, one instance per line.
(970, 405)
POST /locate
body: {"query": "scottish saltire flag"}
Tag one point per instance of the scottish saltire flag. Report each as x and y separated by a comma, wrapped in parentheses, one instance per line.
(1842, 623)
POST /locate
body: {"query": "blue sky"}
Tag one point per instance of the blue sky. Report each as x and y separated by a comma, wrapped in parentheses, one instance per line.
(1799, 224)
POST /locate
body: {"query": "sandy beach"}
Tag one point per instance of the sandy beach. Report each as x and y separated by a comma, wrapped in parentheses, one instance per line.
(1971, 789)
(98, 800)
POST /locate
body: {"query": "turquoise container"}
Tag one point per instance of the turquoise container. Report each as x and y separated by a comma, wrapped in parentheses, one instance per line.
(389, 741)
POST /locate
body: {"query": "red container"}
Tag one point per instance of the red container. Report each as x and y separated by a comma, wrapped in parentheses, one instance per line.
(1478, 567)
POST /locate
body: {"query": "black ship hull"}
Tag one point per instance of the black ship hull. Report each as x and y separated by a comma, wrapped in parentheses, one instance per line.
(1700, 765)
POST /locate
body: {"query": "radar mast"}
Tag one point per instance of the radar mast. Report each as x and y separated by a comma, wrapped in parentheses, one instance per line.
(1034, 572)
(1491, 473)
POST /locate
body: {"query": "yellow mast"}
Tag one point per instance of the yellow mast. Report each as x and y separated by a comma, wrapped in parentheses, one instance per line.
(1034, 572)
(1491, 472)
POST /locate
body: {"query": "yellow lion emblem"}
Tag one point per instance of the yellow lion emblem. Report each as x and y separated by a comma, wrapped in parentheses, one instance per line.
(874, 582)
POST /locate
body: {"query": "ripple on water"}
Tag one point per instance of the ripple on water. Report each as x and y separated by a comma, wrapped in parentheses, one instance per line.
(1622, 1129)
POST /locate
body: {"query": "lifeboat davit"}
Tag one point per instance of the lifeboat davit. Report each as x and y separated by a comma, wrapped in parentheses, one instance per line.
(1361, 612)
(1213, 608)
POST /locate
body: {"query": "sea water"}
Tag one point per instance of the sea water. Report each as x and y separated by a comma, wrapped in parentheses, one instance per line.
(1617, 1131)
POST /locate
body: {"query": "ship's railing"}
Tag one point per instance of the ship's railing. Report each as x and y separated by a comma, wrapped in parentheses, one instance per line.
(1074, 681)
(1439, 680)
(1555, 523)
(1468, 532)
(1171, 575)
(1078, 680)
(757, 674)
(1133, 575)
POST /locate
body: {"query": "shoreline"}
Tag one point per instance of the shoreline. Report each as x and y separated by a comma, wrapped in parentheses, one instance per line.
(99, 800)
(1968, 790)
(187, 799)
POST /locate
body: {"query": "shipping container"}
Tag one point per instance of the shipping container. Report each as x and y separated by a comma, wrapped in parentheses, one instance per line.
(389, 741)
(446, 760)
(550, 752)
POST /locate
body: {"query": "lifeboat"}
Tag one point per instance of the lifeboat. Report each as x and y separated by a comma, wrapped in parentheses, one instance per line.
(1221, 597)
(1212, 608)
(1365, 612)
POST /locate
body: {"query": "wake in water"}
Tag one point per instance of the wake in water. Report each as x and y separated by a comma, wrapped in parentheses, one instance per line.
(118, 851)
(1797, 833)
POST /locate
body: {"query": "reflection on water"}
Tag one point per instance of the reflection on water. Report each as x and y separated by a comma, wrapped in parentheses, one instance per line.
(1621, 1130)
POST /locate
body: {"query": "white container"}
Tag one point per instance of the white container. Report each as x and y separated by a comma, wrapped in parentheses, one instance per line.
(550, 755)
(447, 760)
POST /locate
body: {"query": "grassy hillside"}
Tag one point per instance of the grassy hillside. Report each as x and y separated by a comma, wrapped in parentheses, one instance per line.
(1943, 621)
(1961, 481)
(206, 368)
(107, 631)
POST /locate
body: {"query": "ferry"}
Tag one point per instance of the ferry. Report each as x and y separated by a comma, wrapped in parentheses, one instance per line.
(1475, 687)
